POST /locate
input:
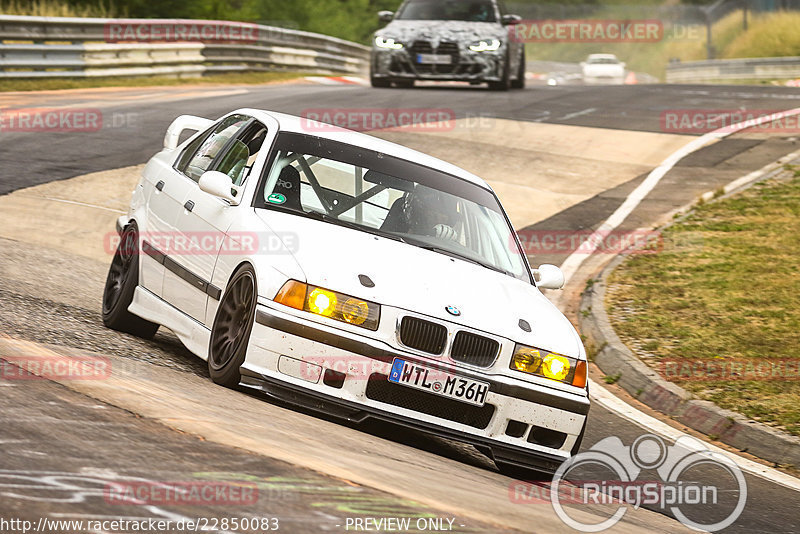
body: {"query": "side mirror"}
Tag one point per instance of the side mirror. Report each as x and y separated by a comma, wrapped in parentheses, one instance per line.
(386, 16)
(218, 184)
(548, 277)
(510, 20)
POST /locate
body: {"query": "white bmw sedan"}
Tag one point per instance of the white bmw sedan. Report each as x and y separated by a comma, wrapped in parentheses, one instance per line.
(339, 271)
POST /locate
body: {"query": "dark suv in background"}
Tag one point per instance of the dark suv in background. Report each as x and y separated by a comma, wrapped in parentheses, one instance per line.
(453, 40)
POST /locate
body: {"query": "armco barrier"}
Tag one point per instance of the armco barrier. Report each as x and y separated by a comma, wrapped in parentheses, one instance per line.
(722, 70)
(52, 47)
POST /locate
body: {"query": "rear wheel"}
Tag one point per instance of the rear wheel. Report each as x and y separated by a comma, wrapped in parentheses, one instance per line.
(519, 83)
(121, 282)
(232, 326)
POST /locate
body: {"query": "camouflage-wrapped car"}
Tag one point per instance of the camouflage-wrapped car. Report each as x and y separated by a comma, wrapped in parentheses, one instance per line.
(461, 40)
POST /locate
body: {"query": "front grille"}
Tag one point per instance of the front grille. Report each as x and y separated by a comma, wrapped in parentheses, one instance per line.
(380, 389)
(474, 349)
(425, 47)
(423, 335)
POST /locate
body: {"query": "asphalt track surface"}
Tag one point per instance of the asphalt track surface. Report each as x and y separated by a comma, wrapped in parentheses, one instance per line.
(133, 132)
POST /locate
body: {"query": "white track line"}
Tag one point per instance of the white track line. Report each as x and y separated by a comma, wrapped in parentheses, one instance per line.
(84, 204)
(607, 400)
(576, 259)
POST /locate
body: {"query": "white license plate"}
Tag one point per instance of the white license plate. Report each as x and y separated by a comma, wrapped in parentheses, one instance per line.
(434, 59)
(438, 382)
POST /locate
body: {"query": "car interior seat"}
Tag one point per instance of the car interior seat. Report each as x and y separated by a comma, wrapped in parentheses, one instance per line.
(289, 186)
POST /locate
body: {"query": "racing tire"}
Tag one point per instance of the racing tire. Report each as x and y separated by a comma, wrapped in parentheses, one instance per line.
(519, 83)
(377, 82)
(233, 324)
(505, 83)
(380, 83)
(121, 282)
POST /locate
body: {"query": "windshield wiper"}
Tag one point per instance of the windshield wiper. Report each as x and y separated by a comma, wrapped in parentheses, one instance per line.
(354, 226)
(448, 252)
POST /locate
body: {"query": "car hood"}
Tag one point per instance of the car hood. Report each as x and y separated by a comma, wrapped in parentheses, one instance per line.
(407, 31)
(424, 282)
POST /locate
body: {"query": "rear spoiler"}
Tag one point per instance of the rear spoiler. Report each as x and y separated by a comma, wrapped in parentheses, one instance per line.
(182, 123)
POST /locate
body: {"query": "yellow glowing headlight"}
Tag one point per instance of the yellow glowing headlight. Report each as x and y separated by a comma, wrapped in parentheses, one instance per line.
(322, 302)
(549, 365)
(556, 367)
(329, 303)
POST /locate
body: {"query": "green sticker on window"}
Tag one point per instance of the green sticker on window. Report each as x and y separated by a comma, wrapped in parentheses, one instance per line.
(276, 198)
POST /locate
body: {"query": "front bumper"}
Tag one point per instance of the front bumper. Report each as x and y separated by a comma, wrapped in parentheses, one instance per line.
(293, 358)
(467, 66)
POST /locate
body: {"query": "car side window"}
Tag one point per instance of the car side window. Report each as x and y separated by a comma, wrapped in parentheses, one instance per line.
(240, 156)
(197, 159)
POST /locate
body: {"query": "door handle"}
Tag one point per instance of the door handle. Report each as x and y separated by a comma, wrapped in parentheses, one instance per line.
(160, 185)
(189, 206)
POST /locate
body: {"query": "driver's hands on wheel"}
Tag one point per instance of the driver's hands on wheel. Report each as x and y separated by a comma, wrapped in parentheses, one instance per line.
(443, 231)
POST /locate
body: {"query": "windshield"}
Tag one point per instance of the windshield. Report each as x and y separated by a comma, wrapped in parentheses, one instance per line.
(371, 192)
(603, 60)
(464, 10)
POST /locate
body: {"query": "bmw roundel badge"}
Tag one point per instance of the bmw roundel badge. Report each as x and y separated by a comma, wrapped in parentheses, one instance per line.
(452, 310)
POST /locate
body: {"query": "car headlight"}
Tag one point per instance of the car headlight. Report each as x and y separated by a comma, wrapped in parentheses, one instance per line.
(387, 42)
(329, 303)
(549, 365)
(486, 45)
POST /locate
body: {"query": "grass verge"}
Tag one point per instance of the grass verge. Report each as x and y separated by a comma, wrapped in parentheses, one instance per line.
(33, 84)
(725, 288)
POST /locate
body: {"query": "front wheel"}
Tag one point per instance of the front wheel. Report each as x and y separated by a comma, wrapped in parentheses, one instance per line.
(233, 323)
(121, 282)
(505, 81)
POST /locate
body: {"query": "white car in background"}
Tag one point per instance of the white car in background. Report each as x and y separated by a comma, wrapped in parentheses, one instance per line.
(603, 69)
(352, 275)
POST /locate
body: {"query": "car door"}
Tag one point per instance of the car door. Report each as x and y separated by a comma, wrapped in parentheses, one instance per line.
(204, 222)
(182, 283)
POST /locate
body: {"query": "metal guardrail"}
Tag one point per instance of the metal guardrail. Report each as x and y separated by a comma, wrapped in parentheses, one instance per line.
(721, 70)
(53, 47)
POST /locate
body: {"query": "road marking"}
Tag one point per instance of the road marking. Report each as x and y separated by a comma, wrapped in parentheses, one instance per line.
(605, 398)
(576, 259)
(84, 204)
(569, 116)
